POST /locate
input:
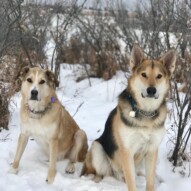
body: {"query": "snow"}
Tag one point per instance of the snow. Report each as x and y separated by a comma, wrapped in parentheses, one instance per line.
(90, 107)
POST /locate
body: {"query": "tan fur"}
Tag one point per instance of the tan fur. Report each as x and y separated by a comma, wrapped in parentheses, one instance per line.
(138, 142)
(54, 130)
(88, 168)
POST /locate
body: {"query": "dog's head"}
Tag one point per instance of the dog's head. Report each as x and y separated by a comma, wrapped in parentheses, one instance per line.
(150, 79)
(36, 83)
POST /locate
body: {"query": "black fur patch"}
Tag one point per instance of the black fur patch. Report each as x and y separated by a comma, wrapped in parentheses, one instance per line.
(125, 120)
(107, 140)
(124, 95)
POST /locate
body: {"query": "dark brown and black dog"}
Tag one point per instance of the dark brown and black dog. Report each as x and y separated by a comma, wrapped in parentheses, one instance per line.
(135, 128)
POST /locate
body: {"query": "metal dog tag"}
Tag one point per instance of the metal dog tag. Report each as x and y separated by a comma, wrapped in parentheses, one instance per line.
(132, 113)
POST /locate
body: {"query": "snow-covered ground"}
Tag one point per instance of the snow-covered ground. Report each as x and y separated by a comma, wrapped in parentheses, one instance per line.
(90, 107)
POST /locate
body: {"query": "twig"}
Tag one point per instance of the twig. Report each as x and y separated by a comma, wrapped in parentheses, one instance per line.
(5, 138)
(78, 108)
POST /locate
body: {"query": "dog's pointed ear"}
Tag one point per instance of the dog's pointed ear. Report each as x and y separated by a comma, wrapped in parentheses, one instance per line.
(52, 79)
(20, 78)
(137, 56)
(169, 60)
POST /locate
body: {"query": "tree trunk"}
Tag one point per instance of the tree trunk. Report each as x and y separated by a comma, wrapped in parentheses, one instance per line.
(4, 113)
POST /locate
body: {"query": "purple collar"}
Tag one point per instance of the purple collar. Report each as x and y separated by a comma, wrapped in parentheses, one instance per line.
(53, 99)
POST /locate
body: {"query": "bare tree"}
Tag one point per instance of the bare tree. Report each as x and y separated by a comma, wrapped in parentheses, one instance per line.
(150, 24)
(9, 16)
(66, 14)
(33, 29)
(182, 127)
(100, 47)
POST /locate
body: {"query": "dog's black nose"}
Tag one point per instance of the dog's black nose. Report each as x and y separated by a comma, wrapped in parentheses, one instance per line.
(34, 94)
(151, 91)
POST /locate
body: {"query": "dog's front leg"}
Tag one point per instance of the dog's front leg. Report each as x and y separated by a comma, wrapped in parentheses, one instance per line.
(53, 149)
(150, 165)
(128, 167)
(21, 145)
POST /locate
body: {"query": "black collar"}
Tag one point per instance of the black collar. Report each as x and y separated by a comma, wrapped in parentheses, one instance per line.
(136, 111)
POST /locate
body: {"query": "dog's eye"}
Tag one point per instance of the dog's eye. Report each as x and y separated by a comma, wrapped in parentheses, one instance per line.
(29, 80)
(42, 82)
(144, 75)
(159, 76)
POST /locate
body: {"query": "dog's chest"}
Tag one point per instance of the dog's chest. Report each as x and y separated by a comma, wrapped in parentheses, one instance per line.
(141, 140)
(39, 131)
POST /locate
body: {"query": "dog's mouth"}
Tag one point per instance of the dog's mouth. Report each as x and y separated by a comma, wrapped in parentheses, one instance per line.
(34, 99)
(155, 96)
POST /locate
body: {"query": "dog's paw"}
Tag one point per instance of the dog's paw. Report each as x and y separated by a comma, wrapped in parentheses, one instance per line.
(140, 173)
(13, 170)
(97, 178)
(70, 169)
(51, 176)
(50, 180)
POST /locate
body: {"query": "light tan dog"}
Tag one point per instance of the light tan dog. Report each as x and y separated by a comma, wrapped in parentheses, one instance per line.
(135, 128)
(47, 121)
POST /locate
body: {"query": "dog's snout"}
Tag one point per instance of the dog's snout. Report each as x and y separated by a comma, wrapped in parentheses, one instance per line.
(151, 91)
(34, 94)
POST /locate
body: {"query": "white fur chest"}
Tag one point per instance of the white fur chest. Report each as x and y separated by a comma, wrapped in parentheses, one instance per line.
(39, 131)
(141, 140)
